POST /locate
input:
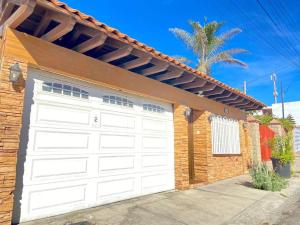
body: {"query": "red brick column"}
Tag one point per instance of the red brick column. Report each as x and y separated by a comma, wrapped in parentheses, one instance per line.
(11, 108)
(182, 178)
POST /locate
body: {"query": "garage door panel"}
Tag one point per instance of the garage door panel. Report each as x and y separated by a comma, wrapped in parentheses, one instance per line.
(55, 199)
(50, 140)
(115, 188)
(116, 164)
(154, 125)
(155, 182)
(58, 168)
(157, 161)
(66, 115)
(112, 142)
(154, 143)
(117, 121)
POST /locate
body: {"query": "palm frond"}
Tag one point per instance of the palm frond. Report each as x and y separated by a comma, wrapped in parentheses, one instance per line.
(226, 57)
(181, 59)
(229, 34)
(185, 36)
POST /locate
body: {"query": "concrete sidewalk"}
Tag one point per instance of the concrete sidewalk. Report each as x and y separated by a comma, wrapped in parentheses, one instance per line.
(231, 201)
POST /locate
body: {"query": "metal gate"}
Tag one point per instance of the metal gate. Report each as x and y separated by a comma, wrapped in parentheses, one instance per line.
(266, 134)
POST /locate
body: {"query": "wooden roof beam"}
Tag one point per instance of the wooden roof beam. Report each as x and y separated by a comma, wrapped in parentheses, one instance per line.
(236, 102)
(94, 42)
(116, 54)
(195, 84)
(250, 106)
(222, 96)
(230, 99)
(66, 24)
(245, 102)
(216, 91)
(13, 20)
(155, 69)
(207, 87)
(143, 60)
(170, 75)
(187, 78)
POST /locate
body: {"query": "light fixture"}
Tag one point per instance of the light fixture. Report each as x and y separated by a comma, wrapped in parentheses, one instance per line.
(15, 73)
(187, 112)
(226, 111)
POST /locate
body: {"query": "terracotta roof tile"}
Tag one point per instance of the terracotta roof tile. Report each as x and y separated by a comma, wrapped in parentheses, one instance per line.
(151, 50)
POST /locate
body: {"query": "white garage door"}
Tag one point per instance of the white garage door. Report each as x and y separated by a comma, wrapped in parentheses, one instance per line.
(297, 139)
(89, 146)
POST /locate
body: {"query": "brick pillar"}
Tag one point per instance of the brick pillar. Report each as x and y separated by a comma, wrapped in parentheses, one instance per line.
(11, 108)
(201, 141)
(182, 178)
(246, 146)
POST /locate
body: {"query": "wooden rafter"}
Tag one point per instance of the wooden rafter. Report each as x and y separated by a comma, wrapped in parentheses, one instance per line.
(245, 102)
(249, 106)
(236, 102)
(230, 99)
(155, 69)
(216, 91)
(195, 84)
(90, 44)
(183, 80)
(221, 96)
(136, 62)
(66, 24)
(206, 87)
(13, 20)
(170, 75)
(117, 54)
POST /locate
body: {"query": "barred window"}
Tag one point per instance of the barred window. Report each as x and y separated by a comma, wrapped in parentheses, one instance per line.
(115, 100)
(153, 108)
(63, 89)
(225, 135)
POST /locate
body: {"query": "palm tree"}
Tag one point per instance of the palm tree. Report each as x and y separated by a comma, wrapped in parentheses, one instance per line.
(208, 46)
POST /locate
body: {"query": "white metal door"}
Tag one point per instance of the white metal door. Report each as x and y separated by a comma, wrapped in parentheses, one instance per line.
(297, 139)
(89, 146)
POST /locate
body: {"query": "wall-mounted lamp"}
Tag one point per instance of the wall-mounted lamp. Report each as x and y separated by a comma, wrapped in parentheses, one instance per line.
(245, 125)
(15, 72)
(226, 111)
(187, 112)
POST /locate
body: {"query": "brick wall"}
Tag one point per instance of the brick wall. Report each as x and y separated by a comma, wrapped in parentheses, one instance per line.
(210, 168)
(253, 128)
(181, 146)
(11, 106)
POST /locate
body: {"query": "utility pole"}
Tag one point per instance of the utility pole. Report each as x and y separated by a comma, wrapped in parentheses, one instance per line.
(245, 87)
(282, 99)
(274, 78)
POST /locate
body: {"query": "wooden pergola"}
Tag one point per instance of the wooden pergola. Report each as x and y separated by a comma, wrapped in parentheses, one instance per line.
(55, 22)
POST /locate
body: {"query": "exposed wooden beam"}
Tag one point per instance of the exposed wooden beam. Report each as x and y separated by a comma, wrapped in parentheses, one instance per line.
(170, 75)
(216, 91)
(117, 54)
(187, 78)
(90, 44)
(155, 69)
(195, 84)
(66, 24)
(25, 9)
(235, 102)
(245, 102)
(222, 96)
(249, 106)
(136, 62)
(233, 98)
(207, 87)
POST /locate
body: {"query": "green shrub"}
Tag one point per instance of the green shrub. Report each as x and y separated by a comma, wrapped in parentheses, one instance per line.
(282, 148)
(264, 179)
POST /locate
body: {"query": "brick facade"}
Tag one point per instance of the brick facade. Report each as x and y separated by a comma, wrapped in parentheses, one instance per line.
(207, 168)
(11, 107)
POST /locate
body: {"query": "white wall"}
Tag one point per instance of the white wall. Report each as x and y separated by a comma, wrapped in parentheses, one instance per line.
(292, 108)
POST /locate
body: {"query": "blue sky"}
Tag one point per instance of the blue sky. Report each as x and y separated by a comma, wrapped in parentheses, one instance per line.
(273, 47)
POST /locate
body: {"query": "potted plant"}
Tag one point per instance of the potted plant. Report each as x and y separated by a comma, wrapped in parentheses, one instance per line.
(282, 155)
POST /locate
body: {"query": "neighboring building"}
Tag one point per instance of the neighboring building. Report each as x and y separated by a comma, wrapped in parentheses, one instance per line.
(290, 108)
(103, 117)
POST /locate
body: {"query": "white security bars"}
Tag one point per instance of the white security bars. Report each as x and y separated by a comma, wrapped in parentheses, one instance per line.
(225, 135)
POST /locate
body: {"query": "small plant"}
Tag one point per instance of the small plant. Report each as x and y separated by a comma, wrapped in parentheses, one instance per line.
(282, 148)
(264, 179)
(264, 119)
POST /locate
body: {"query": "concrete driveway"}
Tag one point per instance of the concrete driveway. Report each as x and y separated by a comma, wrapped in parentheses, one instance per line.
(217, 203)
